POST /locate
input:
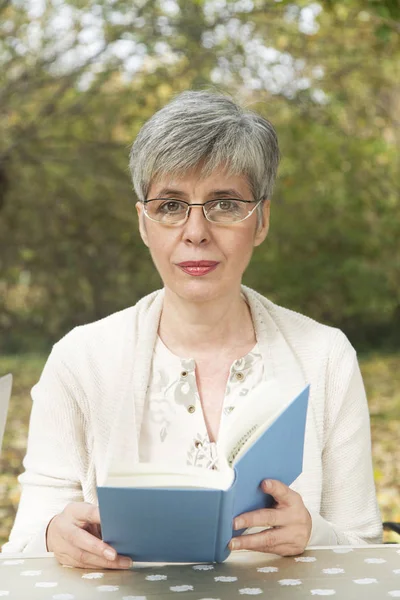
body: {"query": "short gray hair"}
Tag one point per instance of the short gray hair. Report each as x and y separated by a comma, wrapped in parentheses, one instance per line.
(208, 129)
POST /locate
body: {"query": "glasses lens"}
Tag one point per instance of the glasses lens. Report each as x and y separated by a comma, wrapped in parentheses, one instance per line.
(166, 210)
(226, 210)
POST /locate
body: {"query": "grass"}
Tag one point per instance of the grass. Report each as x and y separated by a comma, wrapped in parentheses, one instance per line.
(382, 380)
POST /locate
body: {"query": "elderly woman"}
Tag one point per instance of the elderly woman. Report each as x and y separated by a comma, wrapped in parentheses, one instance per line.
(158, 380)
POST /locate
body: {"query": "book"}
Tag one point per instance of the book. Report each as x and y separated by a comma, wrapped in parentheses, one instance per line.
(185, 514)
(5, 393)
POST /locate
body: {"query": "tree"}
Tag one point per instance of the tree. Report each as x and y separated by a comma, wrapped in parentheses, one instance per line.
(74, 92)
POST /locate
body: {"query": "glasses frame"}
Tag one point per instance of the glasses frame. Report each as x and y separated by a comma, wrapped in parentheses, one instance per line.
(203, 205)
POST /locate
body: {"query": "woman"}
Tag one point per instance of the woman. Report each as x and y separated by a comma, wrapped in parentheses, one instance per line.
(158, 381)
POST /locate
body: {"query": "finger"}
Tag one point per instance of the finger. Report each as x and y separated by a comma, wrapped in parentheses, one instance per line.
(83, 540)
(264, 541)
(75, 557)
(93, 529)
(281, 493)
(265, 517)
(83, 513)
(287, 550)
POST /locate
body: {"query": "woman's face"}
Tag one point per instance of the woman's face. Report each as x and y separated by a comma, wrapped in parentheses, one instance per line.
(226, 249)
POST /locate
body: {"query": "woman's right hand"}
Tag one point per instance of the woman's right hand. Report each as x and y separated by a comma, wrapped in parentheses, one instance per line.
(75, 538)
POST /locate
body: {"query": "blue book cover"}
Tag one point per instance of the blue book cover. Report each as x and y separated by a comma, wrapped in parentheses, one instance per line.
(189, 524)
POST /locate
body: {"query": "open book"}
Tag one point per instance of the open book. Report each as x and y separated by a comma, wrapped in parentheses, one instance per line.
(185, 514)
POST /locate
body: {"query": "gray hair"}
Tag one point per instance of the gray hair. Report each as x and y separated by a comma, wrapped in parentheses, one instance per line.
(208, 129)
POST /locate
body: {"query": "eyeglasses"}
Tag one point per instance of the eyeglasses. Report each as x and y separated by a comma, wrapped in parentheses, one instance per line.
(226, 211)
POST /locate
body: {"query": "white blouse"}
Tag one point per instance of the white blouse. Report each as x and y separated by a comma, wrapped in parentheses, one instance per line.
(89, 404)
(173, 428)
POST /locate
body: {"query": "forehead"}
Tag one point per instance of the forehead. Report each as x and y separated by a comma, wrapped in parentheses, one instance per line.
(194, 182)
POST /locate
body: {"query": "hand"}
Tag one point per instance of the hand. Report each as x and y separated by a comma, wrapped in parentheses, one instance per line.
(74, 537)
(289, 519)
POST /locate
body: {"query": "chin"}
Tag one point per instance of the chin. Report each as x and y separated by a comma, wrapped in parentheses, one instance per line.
(199, 292)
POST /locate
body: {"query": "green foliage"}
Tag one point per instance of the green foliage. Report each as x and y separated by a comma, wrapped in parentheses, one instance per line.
(69, 108)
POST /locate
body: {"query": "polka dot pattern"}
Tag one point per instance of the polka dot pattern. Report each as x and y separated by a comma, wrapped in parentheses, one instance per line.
(181, 588)
(156, 577)
(367, 573)
(333, 571)
(305, 559)
(289, 582)
(375, 561)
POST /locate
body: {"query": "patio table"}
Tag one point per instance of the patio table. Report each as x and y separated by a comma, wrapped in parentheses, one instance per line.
(346, 573)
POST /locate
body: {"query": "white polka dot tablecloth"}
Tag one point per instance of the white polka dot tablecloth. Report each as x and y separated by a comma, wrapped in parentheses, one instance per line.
(367, 573)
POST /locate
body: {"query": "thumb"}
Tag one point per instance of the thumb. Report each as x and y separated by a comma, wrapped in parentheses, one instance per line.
(84, 512)
(281, 493)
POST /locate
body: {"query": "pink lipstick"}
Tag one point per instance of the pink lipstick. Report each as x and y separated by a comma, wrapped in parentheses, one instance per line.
(198, 267)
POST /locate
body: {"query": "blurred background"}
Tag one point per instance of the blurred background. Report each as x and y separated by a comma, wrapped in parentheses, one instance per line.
(77, 81)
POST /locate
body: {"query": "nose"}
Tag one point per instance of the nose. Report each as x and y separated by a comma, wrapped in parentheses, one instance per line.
(196, 229)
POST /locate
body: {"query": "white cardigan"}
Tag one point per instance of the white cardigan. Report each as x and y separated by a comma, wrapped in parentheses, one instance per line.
(88, 407)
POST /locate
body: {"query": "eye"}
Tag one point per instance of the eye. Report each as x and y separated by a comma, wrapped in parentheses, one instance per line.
(225, 205)
(171, 206)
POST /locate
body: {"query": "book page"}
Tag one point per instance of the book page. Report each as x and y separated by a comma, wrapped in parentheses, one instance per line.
(249, 419)
(159, 475)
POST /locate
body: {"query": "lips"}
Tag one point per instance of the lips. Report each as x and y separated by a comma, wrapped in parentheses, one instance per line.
(198, 267)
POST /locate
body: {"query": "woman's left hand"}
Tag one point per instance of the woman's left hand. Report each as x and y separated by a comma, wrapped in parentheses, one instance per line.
(290, 521)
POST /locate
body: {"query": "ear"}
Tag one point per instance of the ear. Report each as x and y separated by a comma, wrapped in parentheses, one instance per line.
(142, 226)
(262, 230)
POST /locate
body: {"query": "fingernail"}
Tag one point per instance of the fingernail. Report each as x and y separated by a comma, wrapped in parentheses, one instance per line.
(125, 562)
(110, 554)
(267, 484)
(234, 545)
(238, 524)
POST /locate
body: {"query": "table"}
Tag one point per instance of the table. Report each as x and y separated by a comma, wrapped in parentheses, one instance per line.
(367, 573)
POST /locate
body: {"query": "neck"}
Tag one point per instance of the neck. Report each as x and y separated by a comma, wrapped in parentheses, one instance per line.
(194, 329)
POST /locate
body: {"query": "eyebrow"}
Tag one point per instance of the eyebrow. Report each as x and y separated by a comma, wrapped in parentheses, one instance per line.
(212, 194)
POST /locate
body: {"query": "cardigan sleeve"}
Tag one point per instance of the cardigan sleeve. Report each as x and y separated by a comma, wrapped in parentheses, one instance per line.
(55, 459)
(349, 512)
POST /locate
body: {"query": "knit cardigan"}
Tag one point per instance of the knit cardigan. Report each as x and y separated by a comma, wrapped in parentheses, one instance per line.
(88, 407)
